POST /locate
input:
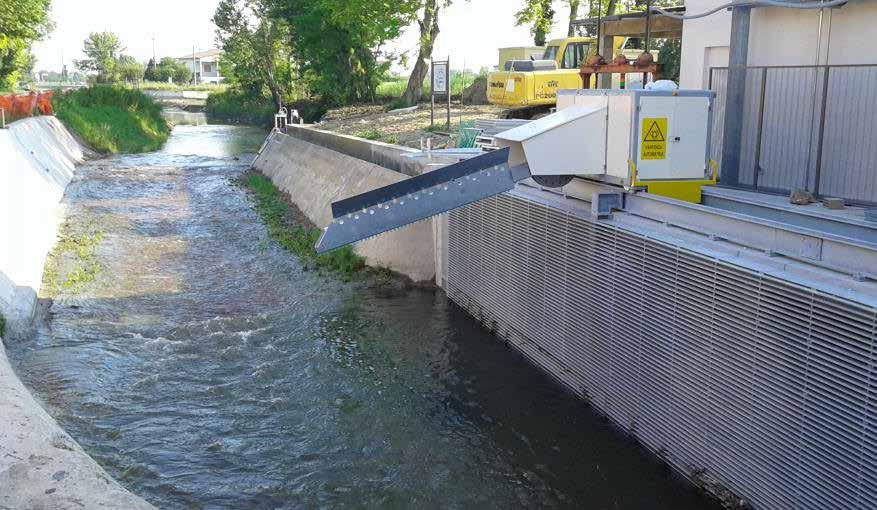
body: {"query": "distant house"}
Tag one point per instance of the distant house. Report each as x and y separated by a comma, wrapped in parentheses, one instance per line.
(204, 65)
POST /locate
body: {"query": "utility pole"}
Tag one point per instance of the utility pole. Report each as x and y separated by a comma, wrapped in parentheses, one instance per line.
(153, 46)
(735, 96)
(194, 73)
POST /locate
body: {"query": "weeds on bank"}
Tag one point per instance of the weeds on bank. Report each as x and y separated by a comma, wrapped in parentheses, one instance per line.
(113, 118)
(299, 239)
(73, 263)
(377, 135)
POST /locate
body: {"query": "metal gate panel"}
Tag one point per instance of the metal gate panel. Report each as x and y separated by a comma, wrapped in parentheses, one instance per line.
(742, 381)
(849, 149)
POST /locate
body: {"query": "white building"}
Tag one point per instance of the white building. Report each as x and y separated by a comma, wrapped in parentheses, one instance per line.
(204, 65)
(805, 117)
(779, 36)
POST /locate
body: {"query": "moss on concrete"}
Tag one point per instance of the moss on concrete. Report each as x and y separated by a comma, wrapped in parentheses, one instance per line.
(73, 262)
(290, 229)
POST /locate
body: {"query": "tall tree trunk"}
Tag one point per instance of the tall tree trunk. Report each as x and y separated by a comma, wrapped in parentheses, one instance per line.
(429, 30)
(573, 14)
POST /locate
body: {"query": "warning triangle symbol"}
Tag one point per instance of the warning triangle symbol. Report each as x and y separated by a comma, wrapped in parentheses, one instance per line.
(654, 134)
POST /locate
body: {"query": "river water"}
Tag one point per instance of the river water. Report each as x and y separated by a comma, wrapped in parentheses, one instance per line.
(205, 368)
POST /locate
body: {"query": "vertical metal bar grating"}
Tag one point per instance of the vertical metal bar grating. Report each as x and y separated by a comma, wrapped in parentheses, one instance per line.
(744, 382)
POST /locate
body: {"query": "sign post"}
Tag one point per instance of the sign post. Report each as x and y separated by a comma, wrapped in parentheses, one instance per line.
(441, 87)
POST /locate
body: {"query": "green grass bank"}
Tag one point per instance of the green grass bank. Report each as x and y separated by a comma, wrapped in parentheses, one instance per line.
(113, 119)
(288, 227)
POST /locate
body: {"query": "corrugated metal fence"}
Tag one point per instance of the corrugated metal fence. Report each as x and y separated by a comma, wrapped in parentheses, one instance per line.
(742, 380)
(810, 127)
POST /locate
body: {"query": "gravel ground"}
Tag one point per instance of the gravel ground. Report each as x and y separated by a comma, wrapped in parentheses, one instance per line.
(403, 128)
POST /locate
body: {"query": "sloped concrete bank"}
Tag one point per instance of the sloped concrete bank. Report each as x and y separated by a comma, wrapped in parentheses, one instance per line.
(315, 175)
(43, 467)
(37, 160)
(40, 465)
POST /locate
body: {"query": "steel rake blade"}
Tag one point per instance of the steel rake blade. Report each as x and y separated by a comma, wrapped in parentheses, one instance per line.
(418, 198)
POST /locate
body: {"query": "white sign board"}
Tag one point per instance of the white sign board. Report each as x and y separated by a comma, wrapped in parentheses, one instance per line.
(440, 78)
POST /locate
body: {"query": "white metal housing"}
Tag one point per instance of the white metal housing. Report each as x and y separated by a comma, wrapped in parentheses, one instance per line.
(599, 133)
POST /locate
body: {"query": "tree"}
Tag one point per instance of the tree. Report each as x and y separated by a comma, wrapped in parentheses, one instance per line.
(21, 23)
(129, 69)
(539, 14)
(171, 69)
(255, 48)
(429, 30)
(336, 44)
(102, 50)
(573, 14)
(151, 72)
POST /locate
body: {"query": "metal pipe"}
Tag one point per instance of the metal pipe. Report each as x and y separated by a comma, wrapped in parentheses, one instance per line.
(648, 24)
(750, 3)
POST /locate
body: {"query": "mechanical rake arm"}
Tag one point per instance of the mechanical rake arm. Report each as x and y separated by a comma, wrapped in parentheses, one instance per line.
(394, 206)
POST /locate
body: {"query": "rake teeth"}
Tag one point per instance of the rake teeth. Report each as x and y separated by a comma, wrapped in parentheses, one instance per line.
(418, 198)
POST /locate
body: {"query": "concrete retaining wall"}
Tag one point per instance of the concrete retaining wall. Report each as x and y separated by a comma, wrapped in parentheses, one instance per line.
(315, 176)
(37, 160)
(392, 157)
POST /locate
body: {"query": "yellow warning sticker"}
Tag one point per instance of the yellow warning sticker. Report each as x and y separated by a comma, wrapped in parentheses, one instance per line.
(654, 143)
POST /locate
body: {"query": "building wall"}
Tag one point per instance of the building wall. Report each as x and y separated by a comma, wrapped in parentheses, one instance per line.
(779, 37)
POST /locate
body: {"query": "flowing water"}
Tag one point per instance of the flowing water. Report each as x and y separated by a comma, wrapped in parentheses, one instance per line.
(205, 368)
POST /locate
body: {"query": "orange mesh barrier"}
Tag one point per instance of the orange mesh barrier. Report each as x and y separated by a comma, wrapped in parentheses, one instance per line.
(20, 106)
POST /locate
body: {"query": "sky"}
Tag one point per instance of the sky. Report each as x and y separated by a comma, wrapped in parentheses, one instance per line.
(471, 31)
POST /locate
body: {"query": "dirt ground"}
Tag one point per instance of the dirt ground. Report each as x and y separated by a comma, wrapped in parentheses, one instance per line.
(403, 128)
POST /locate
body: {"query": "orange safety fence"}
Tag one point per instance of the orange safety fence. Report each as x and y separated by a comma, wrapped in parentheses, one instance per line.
(26, 105)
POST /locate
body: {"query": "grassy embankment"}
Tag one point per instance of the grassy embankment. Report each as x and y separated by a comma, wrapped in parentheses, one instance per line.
(113, 119)
(291, 230)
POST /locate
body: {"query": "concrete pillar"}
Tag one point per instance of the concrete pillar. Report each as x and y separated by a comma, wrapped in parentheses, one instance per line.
(735, 95)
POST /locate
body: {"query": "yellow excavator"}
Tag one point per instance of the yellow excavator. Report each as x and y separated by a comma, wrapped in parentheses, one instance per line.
(528, 88)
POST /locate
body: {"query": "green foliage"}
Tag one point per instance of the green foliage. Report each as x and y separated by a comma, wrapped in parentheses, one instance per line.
(392, 87)
(129, 69)
(369, 134)
(299, 239)
(73, 262)
(2, 325)
(102, 51)
(113, 119)
(256, 55)
(172, 69)
(336, 43)
(540, 15)
(21, 23)
(240, 107)
(670, 56)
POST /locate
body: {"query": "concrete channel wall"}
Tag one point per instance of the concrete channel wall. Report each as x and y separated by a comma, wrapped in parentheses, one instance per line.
(315, 176)
(37, 161)
(40, 465)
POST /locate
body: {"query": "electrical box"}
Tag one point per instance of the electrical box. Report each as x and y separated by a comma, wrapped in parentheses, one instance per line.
(645, 139)
(650, 135)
